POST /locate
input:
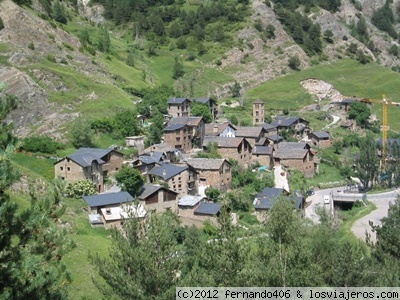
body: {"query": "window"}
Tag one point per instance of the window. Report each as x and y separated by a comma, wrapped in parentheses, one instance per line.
(178, 138)
(62, 168)
(62, 178)
(68, 169)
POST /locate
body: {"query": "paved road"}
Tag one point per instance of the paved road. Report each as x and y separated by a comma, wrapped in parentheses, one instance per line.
(359, 227)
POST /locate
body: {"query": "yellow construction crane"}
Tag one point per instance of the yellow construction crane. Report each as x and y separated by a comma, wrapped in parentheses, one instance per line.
(385, 127)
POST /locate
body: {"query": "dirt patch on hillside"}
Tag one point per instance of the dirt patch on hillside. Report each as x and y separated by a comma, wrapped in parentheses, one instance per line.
(322, 90)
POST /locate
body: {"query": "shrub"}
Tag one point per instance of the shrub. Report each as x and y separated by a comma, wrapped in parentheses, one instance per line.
(1, 24)
(51, 57)
(79, 188)
(31, 46)
(68, 46)
(41, 143)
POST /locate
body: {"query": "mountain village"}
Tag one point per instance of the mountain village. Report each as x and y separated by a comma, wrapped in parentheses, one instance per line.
(176, 180)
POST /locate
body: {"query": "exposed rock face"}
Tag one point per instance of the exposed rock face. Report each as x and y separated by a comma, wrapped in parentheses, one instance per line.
(30, 40)
(321, 90)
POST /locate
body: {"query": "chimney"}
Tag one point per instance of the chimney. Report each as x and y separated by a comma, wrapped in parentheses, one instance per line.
(215, 128)
(151, 153)
(108, 211)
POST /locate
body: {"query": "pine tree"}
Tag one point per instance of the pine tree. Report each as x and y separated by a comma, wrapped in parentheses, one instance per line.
(177, 71)
(144, 260)
(59, 13)
(31, 243)
(104, 42)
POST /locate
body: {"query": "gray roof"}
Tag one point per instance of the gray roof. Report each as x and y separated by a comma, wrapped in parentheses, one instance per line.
(85, 156)
(266, 150)
(174, 100)
(206, 163)
(107, 199)
(208, 209)
(293, 145)
(174, 127)
(283, 121)
(190, 121)
(223, 142)
(267, 198)
(268, 127)
(288, 153)
(190, 200)
(274, 137)
(258, 101)
(321, 134)
(167, 170)
(150, 189)
(248, 131)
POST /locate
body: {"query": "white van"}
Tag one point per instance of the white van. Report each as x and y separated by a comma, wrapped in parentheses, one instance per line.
(327, 199)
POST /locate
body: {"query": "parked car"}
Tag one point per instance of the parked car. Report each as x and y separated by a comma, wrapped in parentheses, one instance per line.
(327, 199)
(310, 192)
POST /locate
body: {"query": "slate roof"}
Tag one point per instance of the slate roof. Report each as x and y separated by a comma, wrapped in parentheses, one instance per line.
(175, 100)
(209, 128)
(287, 153)
(249, 131)
(174, 127)
(274, 138)
(262, 142)
(85, 156)
(107, 199)
(208, 209)
(266, 198)
(170, 170)
(268, 127)
(258, 101)
(223, 142)
(283, 121)
(292, 145)
(190, 121)
(206, 163)
(320, 134)
(264, 150)
(150, 189)
(190, 200)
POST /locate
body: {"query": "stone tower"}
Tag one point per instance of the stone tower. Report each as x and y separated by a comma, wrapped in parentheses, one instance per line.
(258, 112)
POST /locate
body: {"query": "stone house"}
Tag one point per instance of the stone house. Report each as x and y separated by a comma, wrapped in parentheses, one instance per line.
(320, 139)
(178, 107)
(232, 148)
(225, 129)
(265, 199)
(169, 151)
(179, 136)
(89, 163)
(252, 134)
(210, 173)
(297, 156)
(109, 209)
(269, 129)
(263, 155)
(186, 207)
(184, 133)
(175, 176)
(135, 141)
(211, 103)
(147, 161)
(207, 211)
(289, 123)
(157, 198)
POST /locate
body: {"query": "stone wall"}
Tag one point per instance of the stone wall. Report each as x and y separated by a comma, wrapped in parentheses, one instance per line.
(180, 139)
(264, 160)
